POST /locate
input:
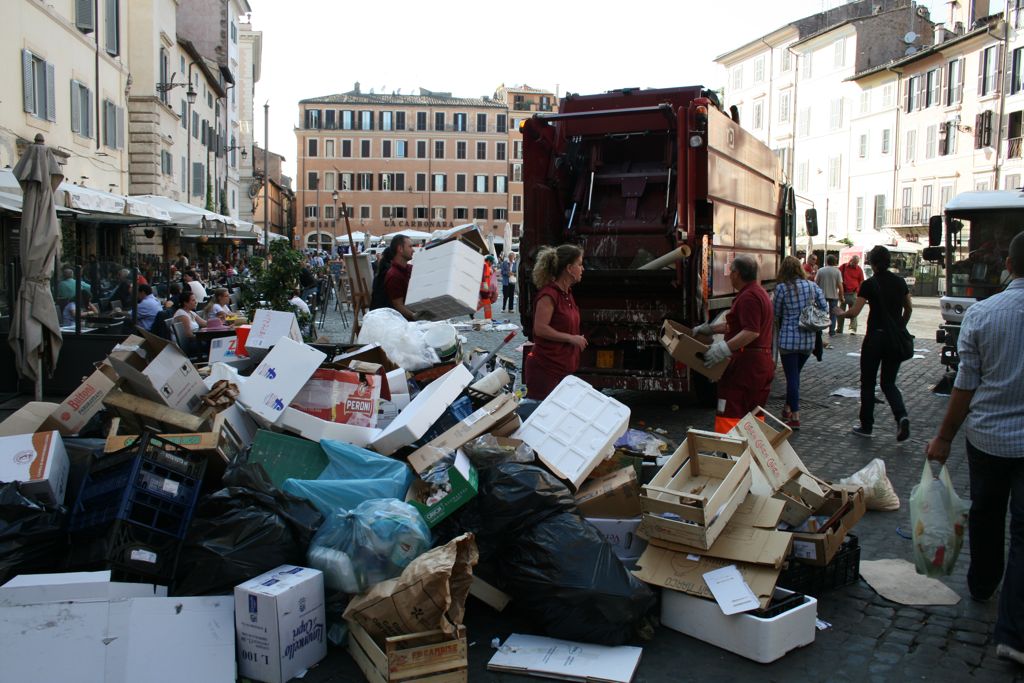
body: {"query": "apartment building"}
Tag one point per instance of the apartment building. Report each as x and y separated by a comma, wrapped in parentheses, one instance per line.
(250, 59)
(424, 161)
(280, 208)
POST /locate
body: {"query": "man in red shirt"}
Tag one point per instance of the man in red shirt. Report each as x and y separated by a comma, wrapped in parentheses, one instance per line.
(748, 341)
(811, 267)
(853, 277)
(396, 281)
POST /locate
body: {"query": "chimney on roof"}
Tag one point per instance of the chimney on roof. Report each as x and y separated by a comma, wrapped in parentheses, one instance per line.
(355, 88)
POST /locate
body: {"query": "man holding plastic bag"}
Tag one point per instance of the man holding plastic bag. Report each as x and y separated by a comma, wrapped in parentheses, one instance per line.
(988, 398)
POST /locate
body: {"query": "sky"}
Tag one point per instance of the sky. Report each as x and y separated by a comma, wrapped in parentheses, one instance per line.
(319, 47)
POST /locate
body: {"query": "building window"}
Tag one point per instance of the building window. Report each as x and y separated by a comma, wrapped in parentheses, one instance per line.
(802, 172)
(737, 77)
(399, 212)
(879, 211)
(839, 53)
(858, 220)
(758, 115)
(934, 88)
(421, 120)
(385, 149)
(85, 19)
(517, 149)
(479, 183)
(914, 94)
(346, 149)
(886, 133)
(926, 201)
(329, 181)
(807, 64)
(1012, 182)
(312, 211)
(366, 120)
(862, 147)
(313, 118)
(500, 214)
(459, 123)
(364, 182)
(312, 180)
(887, 91)
(787, 61)
(460, 213)
(480, 213)
(364, 149)
(983, 130)
(481, 123)
(865, 101)
(517, 202)
(364, 212)
(399, 120)
(311, 147)
(198, 179)
(481, 150)
(329, 148)
(113, 125)
(947, 138)
(460, 182)
(166, 163)
(460, 149)
(38, 83)
(500, 123)
(517, 173)
(81, 109)
(910, 154)
(345, 184)
(439, 121)
(440, 183)
(330, 119)
(439, 213)
(439, 149)
(112, 27)
(835, 178)
(347, 120)
(421, 149)
(386, 120)
(804, 122)
(784, 99)
(181, 178)
(421, 182)
(931, 136)
(419, 213)
(499, 151)
(759, 70)
(328, 212)
(500, 184)
(988, 75)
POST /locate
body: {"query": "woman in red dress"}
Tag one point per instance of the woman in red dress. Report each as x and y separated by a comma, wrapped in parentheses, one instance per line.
(557, 341)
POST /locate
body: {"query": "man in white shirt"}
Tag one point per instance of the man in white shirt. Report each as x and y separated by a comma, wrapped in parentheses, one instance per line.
(197, 287)
(298, 303)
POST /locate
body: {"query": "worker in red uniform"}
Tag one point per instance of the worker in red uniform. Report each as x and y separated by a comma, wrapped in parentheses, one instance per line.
(748, 342)
(557, 341)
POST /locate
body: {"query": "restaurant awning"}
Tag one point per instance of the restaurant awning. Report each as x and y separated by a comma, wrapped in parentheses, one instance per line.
(198, 223)
(85, 203)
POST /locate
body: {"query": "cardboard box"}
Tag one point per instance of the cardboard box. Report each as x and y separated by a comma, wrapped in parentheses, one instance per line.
(278, 378)
(81, 404)
(427, 656)
(445, 280)
(845, 506)
(341, 396)
(315, 429)
(413, 422)
(614, 496)
(750, 536)
(220, 445)
(27, 419)
(280, 623)
(621, 535)
(678, 340)
(225, 350)
(39, 462)
(482, 421)
(34, 589)
(698, 492)
(566, 660)
(157, 369)
(268, 327)
(370, 353)
(748, 635)
(462, 477)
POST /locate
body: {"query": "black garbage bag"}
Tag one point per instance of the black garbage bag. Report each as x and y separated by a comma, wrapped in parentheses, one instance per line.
(568, 578)
(32, 535)
(247, 528)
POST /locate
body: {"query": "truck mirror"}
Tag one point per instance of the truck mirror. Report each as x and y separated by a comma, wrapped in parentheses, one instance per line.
(933, 254)
(934, 231)
(811, 221)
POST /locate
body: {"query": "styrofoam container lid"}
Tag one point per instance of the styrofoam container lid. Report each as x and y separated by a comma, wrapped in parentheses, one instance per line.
(574, 428)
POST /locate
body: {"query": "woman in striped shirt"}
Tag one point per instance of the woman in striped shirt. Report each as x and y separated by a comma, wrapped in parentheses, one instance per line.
(792, 294)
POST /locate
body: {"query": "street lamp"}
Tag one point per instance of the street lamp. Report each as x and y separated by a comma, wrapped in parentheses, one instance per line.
(334, 227)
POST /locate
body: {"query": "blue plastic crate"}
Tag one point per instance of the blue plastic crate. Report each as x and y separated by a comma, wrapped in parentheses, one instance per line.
(153, 484)
(459, 410)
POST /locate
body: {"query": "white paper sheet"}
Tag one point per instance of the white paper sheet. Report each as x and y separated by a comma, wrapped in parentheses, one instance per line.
(566, 660)
(731, 592)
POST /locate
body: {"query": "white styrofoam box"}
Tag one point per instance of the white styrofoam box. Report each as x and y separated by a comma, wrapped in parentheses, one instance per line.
(423, 411)
(32, 589)
(313, 428)
(762, 640)
(268, 327)
(280, 623)
(446, 280)
(278, 378)
(574, 428)
(621, 535)
(39, 461)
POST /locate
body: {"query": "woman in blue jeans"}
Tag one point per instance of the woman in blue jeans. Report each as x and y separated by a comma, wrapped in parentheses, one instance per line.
(793, 293)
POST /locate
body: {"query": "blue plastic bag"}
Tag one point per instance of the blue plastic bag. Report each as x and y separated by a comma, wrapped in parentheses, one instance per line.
(370, 544)
(353, 475)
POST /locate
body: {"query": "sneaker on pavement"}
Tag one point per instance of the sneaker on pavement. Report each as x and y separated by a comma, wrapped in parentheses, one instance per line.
(1006, 652)
(860, 431)
(903, 429)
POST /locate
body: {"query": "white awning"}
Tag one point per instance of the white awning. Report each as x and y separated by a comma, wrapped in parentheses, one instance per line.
(411, 234)
(87, 199)
(10, 202)
(187, 215)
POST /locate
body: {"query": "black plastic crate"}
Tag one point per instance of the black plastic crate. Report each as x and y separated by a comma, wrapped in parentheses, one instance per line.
(843, 570)
(132, 553)
(153, 484)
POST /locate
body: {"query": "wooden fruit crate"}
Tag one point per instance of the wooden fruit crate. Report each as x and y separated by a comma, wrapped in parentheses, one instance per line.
(426, 657)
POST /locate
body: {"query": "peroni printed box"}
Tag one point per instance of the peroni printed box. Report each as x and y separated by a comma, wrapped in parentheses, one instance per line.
(280, 623)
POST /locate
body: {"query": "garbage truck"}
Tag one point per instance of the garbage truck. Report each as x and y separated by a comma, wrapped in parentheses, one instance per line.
(971, 241)
(661, 189)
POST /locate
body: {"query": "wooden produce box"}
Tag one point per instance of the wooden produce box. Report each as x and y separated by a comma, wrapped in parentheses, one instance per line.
(427, 657)
(679, 341)
(702, 490)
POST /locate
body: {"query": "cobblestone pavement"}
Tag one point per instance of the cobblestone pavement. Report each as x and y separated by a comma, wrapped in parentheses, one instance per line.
(871, 639)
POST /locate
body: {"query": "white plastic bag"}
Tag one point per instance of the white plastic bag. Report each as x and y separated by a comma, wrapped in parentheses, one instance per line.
(402, 341)
(938, 517)
(878, 491)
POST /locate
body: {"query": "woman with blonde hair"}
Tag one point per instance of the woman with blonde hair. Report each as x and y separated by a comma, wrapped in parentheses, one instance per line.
(793, 293)
(220, 304)
(557, 341)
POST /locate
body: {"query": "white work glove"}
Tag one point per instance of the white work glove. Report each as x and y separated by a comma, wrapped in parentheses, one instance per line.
(704, 329)
(717, 352)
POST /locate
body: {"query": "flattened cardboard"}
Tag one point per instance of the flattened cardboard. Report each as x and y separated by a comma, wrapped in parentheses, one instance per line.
(566, 660)
(481, 421)
(81, 404)
(268, 328)
(495, 598)
(678, 340)
(278, 378)
(27, 419)
(613, 496)
(157, 369)
(683, 572)
(750, 535)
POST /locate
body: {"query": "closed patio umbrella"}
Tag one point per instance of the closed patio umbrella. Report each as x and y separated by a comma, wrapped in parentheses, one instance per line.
(35, 326)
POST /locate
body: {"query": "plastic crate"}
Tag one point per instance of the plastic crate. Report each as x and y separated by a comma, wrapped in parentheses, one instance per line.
(153, 484)
(843, 570)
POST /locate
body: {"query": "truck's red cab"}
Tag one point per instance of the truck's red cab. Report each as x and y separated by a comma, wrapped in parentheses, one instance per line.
(631, 176)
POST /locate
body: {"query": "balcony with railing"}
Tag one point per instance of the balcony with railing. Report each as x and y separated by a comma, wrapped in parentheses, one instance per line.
(907, 216)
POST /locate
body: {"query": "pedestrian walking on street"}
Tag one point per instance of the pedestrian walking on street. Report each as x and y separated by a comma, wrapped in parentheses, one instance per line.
(853, 276)
(793, 293)
(509, 272)
(391, 282)
(747, 380)
(811, 266)
(830, 280)
(488, 288)
(988, 399)
(890, 312)
(557, 341)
